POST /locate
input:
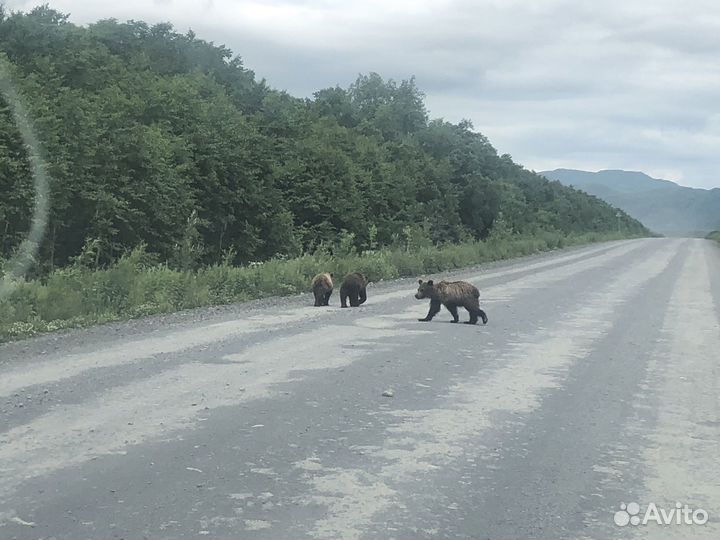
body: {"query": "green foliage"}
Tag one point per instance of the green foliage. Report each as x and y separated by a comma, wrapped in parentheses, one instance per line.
(715, 235)
(144, 126)
(179, 180)
(189, 251)
(137, 286)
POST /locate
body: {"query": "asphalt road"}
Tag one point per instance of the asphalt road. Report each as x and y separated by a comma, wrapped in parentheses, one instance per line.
(595, 383)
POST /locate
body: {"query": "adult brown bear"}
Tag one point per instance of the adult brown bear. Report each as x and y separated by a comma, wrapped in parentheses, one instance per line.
(322, 288)
(451, 294)
(354, 288)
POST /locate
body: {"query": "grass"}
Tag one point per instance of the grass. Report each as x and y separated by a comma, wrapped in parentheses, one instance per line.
(715, 235)
(133, 287)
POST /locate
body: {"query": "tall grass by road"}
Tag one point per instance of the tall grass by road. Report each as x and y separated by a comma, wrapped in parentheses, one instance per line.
(135, 287)
(715, 235)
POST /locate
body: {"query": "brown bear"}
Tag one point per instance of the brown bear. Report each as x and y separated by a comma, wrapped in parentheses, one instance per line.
(322, 288)
(353, 287)
(451, 294)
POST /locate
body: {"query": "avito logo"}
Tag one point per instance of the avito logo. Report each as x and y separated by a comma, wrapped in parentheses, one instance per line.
(681, 514)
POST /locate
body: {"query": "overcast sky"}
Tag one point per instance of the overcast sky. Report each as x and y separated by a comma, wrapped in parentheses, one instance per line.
(555, 83)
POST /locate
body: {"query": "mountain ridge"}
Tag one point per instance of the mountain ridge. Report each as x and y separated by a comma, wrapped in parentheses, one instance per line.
(662, 205)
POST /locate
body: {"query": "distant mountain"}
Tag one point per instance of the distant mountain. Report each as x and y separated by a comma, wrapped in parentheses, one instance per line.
(661, 205)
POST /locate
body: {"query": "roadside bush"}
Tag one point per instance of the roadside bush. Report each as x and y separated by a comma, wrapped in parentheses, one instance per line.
(136, 286)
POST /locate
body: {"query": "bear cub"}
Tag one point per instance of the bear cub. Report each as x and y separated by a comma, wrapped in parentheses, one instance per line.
(451, 294)
(322, 288)
(353, 288)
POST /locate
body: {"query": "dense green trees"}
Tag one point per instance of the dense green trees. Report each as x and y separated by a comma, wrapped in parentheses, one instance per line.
(158, 138)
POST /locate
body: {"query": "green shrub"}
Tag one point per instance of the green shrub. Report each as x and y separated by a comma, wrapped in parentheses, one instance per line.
(137, 287)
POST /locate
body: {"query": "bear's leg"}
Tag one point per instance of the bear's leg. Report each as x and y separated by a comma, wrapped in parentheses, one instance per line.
(473, 316)
(327, 298)
(434, 308)
(318, 301)
(343, 298)
(363, 295)
(483, 316)
(452, 308)
(354, 299)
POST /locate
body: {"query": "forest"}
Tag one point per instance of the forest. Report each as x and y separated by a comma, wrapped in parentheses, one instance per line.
(165, 140)
(179, 179)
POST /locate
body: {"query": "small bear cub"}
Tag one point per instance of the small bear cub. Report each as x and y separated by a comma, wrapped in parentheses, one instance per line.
(451, 294)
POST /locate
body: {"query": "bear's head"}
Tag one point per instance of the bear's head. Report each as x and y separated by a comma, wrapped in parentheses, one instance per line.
(425, 289)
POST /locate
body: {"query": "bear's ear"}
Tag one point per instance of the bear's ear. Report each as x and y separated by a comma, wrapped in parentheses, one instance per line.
(430, 282)
(419, 281)
(331, 274)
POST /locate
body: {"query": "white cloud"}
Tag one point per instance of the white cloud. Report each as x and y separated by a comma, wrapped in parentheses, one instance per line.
(580, 83)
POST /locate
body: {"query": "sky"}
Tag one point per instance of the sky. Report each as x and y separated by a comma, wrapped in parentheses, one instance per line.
(579, 84)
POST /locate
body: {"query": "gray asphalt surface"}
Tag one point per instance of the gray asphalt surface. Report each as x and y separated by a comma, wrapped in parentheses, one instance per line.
(594, 384)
